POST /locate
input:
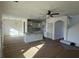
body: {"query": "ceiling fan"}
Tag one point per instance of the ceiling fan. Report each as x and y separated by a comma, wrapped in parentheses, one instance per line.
(51, 13)
(16, 1)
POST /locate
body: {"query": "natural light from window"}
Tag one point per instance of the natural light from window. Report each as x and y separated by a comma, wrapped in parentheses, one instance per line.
(32, 51)
(13, 32)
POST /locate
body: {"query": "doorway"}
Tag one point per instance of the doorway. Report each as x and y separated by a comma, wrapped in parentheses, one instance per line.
(59, 30)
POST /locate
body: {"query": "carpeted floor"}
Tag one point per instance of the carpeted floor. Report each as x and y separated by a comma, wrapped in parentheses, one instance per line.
(16, 48)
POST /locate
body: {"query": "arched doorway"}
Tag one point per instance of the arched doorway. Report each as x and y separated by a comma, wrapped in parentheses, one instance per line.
(59, 30)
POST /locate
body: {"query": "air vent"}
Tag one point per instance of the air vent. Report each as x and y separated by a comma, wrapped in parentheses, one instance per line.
(72, 44)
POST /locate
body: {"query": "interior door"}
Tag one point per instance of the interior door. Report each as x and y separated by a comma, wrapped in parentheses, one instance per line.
(50, 30)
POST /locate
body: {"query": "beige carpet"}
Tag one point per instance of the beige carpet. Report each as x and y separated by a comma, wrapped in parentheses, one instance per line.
(16, 48)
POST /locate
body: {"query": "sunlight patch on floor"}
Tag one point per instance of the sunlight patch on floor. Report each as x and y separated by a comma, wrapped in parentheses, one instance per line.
(32, 51)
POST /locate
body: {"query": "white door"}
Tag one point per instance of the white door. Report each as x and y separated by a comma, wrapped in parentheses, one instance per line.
(50, 30)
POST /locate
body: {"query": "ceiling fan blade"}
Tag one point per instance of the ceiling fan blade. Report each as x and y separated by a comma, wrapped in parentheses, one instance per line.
(55, 14)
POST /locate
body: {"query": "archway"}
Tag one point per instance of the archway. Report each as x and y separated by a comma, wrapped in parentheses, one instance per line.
(59, 30)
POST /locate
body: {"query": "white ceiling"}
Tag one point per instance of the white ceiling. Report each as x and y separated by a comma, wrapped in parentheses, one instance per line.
(38, 9)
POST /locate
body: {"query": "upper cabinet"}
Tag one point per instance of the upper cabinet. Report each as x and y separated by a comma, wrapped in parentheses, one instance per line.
(34, 26)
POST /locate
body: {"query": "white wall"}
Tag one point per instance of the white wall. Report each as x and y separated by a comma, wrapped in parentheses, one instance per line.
(73, 34)
(0, 36)
(73, 30)
(13, 26)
